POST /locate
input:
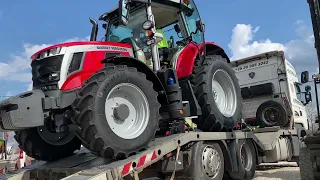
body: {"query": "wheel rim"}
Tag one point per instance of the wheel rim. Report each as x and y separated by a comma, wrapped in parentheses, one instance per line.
(271, 115)
(224, 93)
(211, 161)
(127, 111)
(246, 157)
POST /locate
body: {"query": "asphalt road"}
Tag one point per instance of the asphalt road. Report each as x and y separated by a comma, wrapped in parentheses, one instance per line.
(282, 171)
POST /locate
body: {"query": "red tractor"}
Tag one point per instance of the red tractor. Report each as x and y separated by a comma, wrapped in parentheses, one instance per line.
(115, 96)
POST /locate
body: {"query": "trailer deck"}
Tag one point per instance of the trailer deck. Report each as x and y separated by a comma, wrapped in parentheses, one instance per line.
(84, 165)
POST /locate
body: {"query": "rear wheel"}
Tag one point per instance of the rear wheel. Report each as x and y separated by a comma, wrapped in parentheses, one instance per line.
(218, 93)
(36, 147)
(118, 112)
(246, 156)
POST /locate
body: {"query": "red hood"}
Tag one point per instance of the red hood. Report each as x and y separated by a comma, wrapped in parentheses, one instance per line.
(68, 44)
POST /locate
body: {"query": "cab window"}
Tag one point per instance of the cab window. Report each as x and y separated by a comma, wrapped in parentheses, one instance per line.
(191, 17)
(298, 91)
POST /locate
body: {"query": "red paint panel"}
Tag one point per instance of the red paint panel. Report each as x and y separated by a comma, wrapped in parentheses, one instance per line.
(186, 60)
(92, 63)
(68, 44)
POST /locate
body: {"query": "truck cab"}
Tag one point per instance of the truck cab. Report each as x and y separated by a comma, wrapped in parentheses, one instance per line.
(271, 91)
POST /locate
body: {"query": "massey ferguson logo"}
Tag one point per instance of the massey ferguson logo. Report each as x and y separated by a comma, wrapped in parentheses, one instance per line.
(252, 74)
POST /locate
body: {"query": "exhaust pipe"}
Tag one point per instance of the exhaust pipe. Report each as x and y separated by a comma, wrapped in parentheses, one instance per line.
(94, 31)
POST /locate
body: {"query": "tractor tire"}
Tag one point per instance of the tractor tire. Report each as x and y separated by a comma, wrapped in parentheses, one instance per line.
(34, 146)
(272, 113)
(218, 93)
(306, 164)
(117, 111)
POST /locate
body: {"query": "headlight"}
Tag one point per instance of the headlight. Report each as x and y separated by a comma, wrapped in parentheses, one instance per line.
(50, 52)
(53, 77)
(54, 51)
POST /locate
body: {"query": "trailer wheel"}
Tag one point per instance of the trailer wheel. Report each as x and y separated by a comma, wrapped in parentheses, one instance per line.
(306, 164)
(34, 146)
(207, 161)
(218, 93)
(271, 113)
(117, 111)
(247, 161)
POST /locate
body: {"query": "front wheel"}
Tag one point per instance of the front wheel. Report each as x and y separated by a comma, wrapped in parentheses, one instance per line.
(118, 112)
(35, 146)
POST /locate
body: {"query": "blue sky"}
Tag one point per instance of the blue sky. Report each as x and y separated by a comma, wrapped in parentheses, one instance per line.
(28, 25)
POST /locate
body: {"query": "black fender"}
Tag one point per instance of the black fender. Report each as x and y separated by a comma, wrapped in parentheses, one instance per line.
(214, 49)
(141, 67)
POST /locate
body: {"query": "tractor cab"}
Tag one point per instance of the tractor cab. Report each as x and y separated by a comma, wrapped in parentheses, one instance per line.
(158, 31)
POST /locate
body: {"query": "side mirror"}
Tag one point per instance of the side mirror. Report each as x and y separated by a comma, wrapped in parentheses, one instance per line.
(307, 88)
(177, 28)
(124, 8)
(308, 97)
(304, 77)
(200, 26)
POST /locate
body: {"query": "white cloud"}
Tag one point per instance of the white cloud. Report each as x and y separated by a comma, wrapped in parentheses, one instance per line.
(9, 93)
(17, 67)
(300, 52)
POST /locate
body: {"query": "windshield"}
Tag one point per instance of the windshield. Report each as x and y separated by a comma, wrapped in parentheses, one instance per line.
(133, 30)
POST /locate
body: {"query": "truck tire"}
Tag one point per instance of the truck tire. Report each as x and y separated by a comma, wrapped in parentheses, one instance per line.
(218, 93)
(34, 146)
(306, 164)
(247, 161)
(117, 111)
(202, 161)
(272, 113)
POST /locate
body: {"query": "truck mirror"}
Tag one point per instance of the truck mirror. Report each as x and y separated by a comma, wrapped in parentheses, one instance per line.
(304, 77)
(308, 97)
(200, 25)
(307, 88)
(124, 8)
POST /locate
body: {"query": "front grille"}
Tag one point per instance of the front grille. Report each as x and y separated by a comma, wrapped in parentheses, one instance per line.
(43, 69)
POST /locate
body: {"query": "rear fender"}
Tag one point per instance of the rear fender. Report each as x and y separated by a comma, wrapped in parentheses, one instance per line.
(188, 56)
(141, 67)
(214, 49)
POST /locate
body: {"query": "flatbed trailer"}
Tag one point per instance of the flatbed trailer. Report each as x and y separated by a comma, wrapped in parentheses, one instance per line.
(84, 165)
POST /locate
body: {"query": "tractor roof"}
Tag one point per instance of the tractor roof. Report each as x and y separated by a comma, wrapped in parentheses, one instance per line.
(168, 8)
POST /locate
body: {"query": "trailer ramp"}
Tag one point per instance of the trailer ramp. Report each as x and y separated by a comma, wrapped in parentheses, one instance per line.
(85, 166)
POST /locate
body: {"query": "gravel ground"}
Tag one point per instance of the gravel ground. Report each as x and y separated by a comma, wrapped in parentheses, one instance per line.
(281, 171)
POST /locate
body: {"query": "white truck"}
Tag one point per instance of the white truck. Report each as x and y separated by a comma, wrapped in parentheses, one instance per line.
(271, 91)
